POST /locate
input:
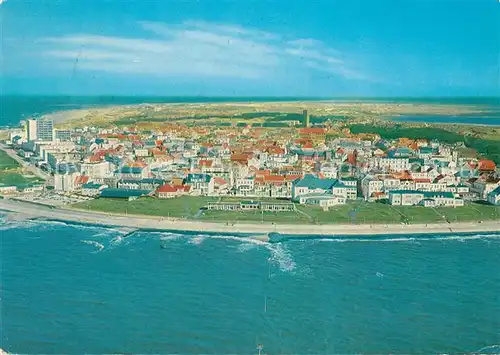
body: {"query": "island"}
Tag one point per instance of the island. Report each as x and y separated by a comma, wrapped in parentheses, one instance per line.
(293, 167)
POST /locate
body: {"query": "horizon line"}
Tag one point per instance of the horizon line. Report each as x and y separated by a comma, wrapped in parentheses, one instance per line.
(257, 96)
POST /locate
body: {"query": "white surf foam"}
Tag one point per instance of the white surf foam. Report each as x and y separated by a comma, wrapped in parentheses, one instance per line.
(165, 236)
(459, 238)
(76, 225)
(117, 240)
(23, 224)
(490, 349)
(108, 233)
(197, 240)
(282, 257)
(10, 225)
(98, 245)
(239, 239)
(368, 239)
(96, 231)
(244, 247)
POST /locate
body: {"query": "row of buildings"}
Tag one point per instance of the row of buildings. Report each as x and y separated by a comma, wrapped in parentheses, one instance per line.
(323, 166)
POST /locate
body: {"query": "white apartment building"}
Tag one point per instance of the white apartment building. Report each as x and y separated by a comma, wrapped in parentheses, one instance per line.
(65, 182)
(371, 185)
(96, 170)
(394, 164)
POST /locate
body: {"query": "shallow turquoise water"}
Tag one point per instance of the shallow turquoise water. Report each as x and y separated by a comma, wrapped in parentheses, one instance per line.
(82, 289)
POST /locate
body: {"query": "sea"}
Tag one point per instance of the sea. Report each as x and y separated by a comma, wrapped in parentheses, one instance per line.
(14, 108)
(74, 289)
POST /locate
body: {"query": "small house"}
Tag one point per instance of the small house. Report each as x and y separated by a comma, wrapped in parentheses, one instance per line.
(494, 197)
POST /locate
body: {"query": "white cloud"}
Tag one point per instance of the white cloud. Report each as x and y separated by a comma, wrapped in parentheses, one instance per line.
(305, 42)
(314, 54)
(196, 48)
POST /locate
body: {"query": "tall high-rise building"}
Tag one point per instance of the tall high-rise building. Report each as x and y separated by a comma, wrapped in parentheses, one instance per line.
(45, 130)
(63, 135)
(42, 130)
(31, 130)
(306, 118)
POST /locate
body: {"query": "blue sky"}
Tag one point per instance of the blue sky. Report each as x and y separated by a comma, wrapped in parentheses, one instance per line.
(263, 48)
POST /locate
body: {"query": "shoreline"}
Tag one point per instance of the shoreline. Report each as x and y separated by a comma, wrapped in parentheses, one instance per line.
(262, 232)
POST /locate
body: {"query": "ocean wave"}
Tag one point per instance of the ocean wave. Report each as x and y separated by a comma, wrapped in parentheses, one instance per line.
(9, 225)
(244, 247)
(96, 230)
(109, 233)
(98, 245)
(22, 224)
(459, 238)
(116, 240)
(74, 225)
(238, 239)
(490, 349)
(281, 256)
(166, 236)
(197, 240)
(368, 239)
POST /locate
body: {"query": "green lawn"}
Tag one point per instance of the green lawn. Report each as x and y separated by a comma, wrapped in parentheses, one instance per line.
(14, 178)
(358, 212)
(353, 212)
(10, 172)
(6, 162)
(267, 217)
(471, 212)
(185, 206)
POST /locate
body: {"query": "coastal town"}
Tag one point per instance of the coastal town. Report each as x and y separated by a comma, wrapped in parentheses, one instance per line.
(245, 169)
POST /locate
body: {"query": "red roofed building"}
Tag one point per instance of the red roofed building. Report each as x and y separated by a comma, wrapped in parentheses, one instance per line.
(157, 152)
(221, 186)
(274, 179)
(166, 191)
(183, 188)
(291, 178)
(219, 181)
(312, 131)
(81, 180)
(206, 163)
(422, 184)
(352, 158)
(487, 165)
(301, 141)
(339, 153)
(273, 186)
(240, 158)
(170, 191)
(276, 151)
(263, 172)
(95, 159)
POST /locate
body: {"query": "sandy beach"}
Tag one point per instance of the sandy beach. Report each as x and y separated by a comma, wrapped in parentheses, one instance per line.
(63, 116)
(24, 210)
